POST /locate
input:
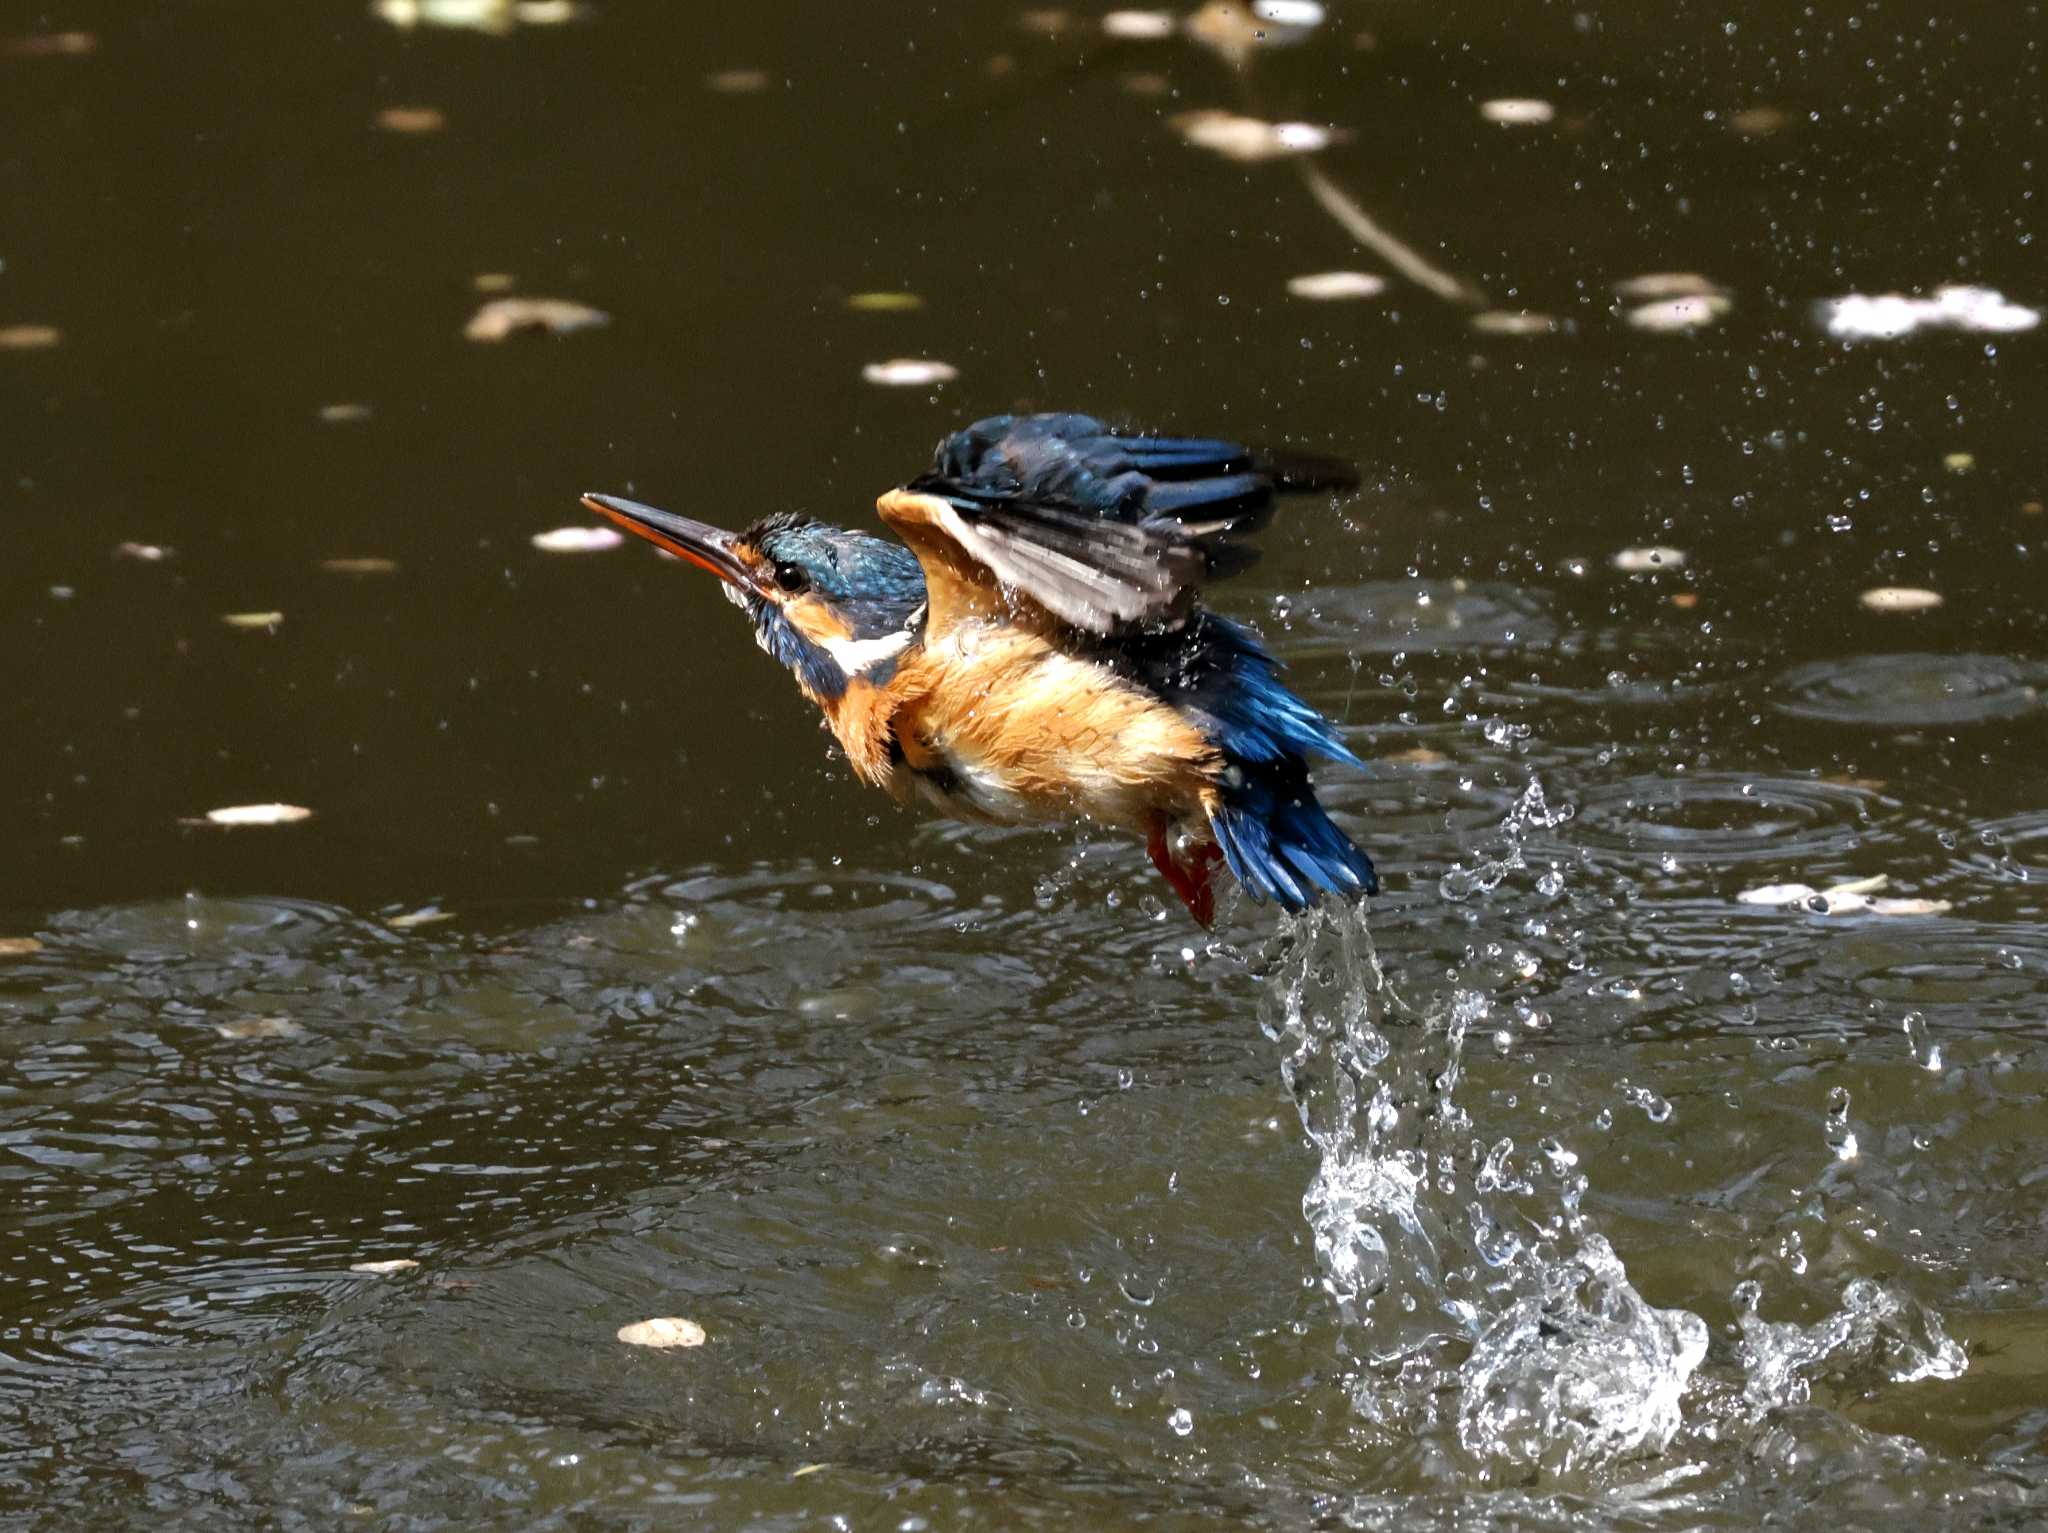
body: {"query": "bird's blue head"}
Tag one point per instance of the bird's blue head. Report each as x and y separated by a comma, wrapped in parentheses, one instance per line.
(833, 605)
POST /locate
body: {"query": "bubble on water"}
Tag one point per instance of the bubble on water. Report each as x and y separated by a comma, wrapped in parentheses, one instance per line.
(1181, 1420)
(1926, 1052)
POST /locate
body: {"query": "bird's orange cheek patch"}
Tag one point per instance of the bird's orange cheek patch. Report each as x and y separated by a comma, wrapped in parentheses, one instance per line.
(815, 620)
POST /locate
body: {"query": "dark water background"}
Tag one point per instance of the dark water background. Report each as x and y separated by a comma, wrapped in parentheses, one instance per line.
(972, 1158)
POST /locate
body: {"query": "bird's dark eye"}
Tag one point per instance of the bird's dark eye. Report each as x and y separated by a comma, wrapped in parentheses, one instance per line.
(791, 578)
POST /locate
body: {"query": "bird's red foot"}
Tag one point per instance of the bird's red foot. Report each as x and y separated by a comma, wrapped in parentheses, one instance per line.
(1190, 879)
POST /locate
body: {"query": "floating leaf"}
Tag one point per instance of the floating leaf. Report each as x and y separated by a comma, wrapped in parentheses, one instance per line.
(663, 1331)
(19, 947)
(884, 303)
(384, 1268)
(259, 1027)
(29, 337)
(502, 318)
(1900, 599)
(1517, 111)
(363, 566)
(259, 814)
(909, 372)
(1140, 26)
(738, 82)
(1513, 322)
(251, 622)
(426, 915)
(1639, 561)
(411, 119)
(803, 1469)
(578, 540)
(1249, 140)
(1331, 286)
(1691, 312)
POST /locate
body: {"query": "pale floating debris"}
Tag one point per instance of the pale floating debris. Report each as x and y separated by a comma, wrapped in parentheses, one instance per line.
(1758, 121)
(1144, 83)
(2032, 508)
(493, 282)
(738, 82)
(1888, 316)
(50, 45)
(259, 814)
(1288, 13)
(1418, 755)
(426, 915)
(1235, 31)
(259, 1027)
(505, 317)
(345, 413)
(1331, 286)
(1517, 111)
(19, 947)
(360, 566)
(145, 553)
(1248, 140)
(1669, 284)
(385, 1268)
(411, 119)
(1641, 561)
(1669, 315)
(1513, 322)
(1959, 462)
(803, 1469)
(253, 622)
(884, 303)
(663, 1331)
(1685, 601)
(909, 372)
(493, 16)
(1856, 895)
(29, 337)
(1140, 26)
(1052, 22)
(578, 540)
(1900, 599)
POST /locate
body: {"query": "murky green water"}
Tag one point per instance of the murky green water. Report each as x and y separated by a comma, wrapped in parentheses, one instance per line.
(975, 1163)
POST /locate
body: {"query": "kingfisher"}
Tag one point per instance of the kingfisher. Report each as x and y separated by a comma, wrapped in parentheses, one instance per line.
(1034, 648)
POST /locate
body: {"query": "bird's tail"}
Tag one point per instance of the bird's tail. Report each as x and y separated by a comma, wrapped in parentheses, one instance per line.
(1282, 845)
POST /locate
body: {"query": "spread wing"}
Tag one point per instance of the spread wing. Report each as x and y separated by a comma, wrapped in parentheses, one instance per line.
(1103, 531)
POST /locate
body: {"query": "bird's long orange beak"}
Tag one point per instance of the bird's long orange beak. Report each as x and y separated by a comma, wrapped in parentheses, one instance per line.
(707, 547)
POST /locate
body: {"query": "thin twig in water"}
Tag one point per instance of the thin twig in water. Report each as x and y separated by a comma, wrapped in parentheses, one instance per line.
(1355, 221)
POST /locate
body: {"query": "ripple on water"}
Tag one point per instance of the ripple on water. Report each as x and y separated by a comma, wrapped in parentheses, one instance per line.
(1726, 818)
(197, 925)
(1382, 616)
(1911, 690)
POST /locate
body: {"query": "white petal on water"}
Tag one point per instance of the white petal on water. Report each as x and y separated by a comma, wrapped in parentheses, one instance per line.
(348, 412)
(739, 82)
(19, 947)
(503, 318)
(1911, 907)
(1140, 26)
(494, 282)
(426, 915)
(1512, 322)
(385, 1268)
(1641, 561)
(884, 303)
(411, 119)
(259, 814)
(1691, 312)
(1668, 284)
(909, 372)
(578, 540)
(259, 1027)
(1248, 140)
(145, 553)
(1330, 286)
(1889, 316)
(1959, 462)
(663, 1331)
(547, 13)
(1777, 894)
(1900, 599)
(1517, 111)
(253, 622)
